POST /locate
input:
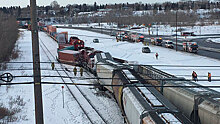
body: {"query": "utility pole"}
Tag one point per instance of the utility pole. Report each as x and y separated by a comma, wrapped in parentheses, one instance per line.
(101, 24)
(176, 30)
(36, 65)
(157, 30)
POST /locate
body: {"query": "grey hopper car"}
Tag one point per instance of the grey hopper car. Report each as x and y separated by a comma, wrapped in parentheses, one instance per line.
(201, 105)
(143, 105)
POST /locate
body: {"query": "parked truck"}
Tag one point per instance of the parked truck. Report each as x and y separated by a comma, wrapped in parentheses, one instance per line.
(136, 37)
(157, 41)
(190, 47)
(122, 36)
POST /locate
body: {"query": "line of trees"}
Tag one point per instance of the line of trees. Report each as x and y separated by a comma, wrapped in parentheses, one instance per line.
(8, 36)
(75, 8)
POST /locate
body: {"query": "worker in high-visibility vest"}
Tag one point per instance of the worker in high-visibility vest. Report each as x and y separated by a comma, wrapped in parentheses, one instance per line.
(81, 71)
(209, 77)
(52, 65)
(194, 76)
(75, 71)
(148, 43)
(156, 55)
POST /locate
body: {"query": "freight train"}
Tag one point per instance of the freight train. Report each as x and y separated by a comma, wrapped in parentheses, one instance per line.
(201, 105)
(140, 105)
(148, 105)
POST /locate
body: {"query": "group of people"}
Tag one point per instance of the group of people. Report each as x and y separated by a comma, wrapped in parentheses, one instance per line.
(194, 76)
(74, 69)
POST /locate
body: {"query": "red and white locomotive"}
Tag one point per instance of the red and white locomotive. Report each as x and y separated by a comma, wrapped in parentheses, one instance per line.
(74, 51)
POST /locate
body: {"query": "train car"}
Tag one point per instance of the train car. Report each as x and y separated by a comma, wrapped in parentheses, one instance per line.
(143, 105)
(68, 57)
(73, 51)
(51, 30)
(104, 66)
(201, 105)
(87, 60)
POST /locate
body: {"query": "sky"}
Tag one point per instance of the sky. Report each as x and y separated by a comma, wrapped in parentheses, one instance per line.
(24, 3)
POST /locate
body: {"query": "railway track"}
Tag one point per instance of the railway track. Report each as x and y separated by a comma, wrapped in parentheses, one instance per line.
(95, 113)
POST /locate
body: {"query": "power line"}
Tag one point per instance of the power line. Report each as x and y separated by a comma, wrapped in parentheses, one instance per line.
(125, 64)
(70, 69)
(119, 85)
(146, 79)
(92, 36)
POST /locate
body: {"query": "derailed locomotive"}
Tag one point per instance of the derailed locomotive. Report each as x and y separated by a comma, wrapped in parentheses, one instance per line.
(74, 52)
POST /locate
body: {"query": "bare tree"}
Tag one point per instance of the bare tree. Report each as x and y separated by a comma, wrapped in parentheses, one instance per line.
(8, 36)
(54, 4)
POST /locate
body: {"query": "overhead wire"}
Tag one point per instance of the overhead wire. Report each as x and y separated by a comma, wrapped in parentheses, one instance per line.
(117, 85)
(128, 64)
(97, 78)
(91, 36)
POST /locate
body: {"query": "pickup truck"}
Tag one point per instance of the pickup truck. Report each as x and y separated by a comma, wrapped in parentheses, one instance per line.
(190, 47)
(157, 41)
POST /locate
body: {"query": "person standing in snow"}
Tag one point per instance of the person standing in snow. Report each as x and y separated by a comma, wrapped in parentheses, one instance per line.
(52, 65)
(81, 71)
(209, 77)
(156, 55)
(75, 71)
(194, 76)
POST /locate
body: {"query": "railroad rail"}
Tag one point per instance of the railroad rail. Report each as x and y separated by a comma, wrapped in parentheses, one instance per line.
(101, 119)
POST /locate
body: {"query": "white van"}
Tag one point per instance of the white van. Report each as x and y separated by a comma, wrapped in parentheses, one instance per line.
(169, 44)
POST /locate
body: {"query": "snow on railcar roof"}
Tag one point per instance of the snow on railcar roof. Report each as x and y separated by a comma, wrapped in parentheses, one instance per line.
(200, 90)
(103, 56)
(129, 75)
(69, 51)
(114, 63)
(169, 118)
(150, 97)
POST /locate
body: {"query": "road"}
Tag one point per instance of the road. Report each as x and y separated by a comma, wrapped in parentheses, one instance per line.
(208, 49)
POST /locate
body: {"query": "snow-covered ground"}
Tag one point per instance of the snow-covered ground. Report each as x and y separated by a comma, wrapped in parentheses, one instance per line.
(54, 113)
(216, 40)
(161, 30)
(132, 52)
(71, 113)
